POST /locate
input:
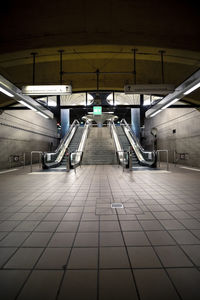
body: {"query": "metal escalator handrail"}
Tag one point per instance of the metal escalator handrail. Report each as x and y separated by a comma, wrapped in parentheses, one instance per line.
(75, 123)
(118, 147)
(76, 157)
(139, 151)
(56, 156)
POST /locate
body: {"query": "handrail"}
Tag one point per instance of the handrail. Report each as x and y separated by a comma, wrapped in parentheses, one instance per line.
(119, 150)
(76, 156)
(54, 158)
(144, 157)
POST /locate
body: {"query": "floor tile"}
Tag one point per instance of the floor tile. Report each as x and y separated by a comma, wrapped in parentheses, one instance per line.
(14, 239)
(24, 258)
(130, 226)
(46, 226)
(151, 225)
(83, 258)
(136, 239)
(72, 217)
(190, 223)
(37, 239)
(86, 240)
(61, 239)
(67, 226)
(109, 226)
(54, 216)
(184, 237)
(111, 239)
(41, 285)
(26, 226)
(193, 251)
(89, 226)
(5, 254)
(187, 282)
(113, 257)
(117, 284)
(160, 238)
(11, 283)
(143, 257)
(8, 225)
(154, 284)
(172, 256)
(53, 258)
(171, 224)
(79, 284)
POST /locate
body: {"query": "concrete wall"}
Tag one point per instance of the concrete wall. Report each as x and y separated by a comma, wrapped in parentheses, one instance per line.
(25, 131)
(186, 139)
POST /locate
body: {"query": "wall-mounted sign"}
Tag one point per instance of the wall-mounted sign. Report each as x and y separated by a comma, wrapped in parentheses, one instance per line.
(97, 110)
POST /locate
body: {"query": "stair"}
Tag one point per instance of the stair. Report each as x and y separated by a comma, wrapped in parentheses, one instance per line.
(99, 149)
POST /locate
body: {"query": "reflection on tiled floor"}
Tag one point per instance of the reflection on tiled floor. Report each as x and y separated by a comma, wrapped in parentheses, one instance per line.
(60, 238)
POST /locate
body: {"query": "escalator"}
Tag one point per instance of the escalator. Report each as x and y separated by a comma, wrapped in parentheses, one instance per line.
(73, 143)
(126, 145)
(129, 149)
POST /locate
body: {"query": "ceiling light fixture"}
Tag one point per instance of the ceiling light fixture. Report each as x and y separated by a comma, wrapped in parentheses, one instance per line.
(43, 115)
(192, 89)
(26, 104)
(6, 92)
(170, 103)
(158, 111)
(47, 90)
(11, 90)
(186, 87)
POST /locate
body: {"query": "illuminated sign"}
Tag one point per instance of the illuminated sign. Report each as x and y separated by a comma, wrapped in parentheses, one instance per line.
(97, 110)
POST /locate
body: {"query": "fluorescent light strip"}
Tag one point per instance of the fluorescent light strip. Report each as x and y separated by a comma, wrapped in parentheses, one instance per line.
(196, 86)
(170, 103)
(43, 115)
(26, 104)
(6, 92)
(156, 113)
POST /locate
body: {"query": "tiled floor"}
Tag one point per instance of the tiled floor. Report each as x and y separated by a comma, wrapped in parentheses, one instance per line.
(60, 238)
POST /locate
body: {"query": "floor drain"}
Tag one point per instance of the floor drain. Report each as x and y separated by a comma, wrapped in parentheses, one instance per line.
(117, 205)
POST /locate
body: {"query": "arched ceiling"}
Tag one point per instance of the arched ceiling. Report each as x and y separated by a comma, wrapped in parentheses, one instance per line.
(99, 35)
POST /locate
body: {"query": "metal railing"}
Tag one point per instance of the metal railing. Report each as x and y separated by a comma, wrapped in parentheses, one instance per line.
(124, 159)
(147, 158)
(167, 157)
(40, 159)
(76, 157)
(54, 158)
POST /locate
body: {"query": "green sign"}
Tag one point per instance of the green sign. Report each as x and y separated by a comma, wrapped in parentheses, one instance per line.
(97, 110)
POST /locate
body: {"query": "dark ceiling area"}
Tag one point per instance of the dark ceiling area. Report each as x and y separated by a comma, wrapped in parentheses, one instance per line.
(99, 35)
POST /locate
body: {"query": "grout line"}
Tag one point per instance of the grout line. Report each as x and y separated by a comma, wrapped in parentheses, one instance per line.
(67, 262)
(126, 249)
(44, 248)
